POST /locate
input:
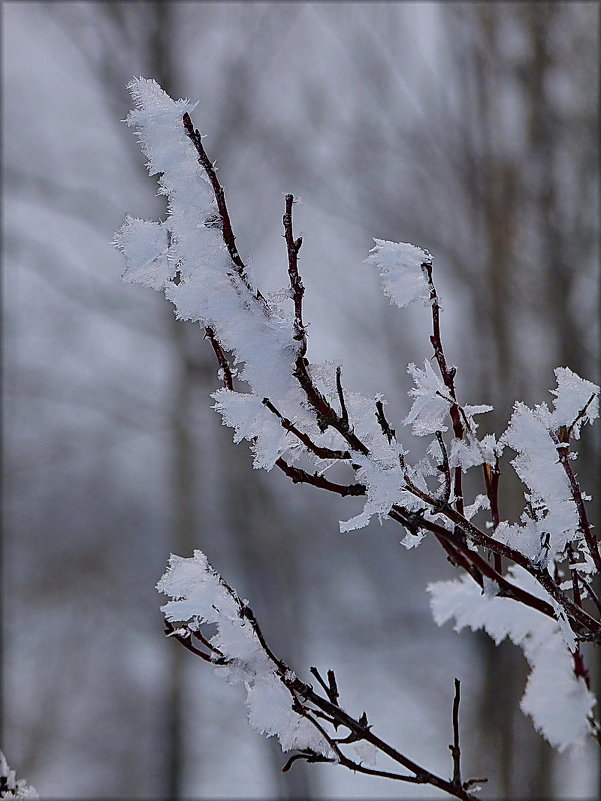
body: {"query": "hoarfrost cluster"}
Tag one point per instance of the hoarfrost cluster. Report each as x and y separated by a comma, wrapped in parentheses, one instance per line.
(11, 787)
(297, 416)
(199, 595)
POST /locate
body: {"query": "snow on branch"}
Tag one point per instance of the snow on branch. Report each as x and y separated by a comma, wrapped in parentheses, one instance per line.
(402, 276)
(280, 704)
(200, 596)
(555, 516)
(559, 702)
(13, 788)
(530, 580)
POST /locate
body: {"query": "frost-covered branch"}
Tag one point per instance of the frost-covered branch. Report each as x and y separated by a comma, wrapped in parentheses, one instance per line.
(298, 417)
(279, 703)
(11, 787)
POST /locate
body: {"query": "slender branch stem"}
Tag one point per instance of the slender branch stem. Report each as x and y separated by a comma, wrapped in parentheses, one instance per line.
(590, 539)
(224, 366)
(580, 415)
(492, 475)
(583, 621)
(360, 728)
(325, 413)
(300, 476)
(445, 468)
(226, 225)
(296, 285)
(343, 409)
(318, 450)
(424, 776)
(455, 748)
(388, 432)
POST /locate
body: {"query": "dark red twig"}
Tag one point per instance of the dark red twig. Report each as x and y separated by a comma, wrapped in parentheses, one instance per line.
(309, 756)
(448, 376)
(445, 468)
(492, 474)
(214, 656)
(590, 539)
(318, 450)
(388, 432)
(226, 373)
(343, 409)
(300, 476)
(325, 414)
(296, 285)
(582, 620)
(226, 225)
(331, 688)
(455, 748)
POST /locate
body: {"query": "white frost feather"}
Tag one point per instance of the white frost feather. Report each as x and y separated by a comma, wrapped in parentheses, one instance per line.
(558, 702)
(572, 396)
(198, 594)
(402, 277)
(537, 464)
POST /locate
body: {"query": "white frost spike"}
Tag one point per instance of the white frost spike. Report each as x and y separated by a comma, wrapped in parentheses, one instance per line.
(571, 398)
(209, 291)
(402, 277)
(480, 502)
(558, 703)
(196, 591)
(145, 245)
(198, 594)
(162, 136)
(537, 464)
(367, 753)
(429, 409)
(251, 420)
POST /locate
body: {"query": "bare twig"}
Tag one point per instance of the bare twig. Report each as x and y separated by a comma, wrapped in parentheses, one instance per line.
(343, 410)
(388, 432)
(309, 756)
(445, 468)
(296, 285)
(465, 527)
(581, 621)
(300, 476)
(455, 748)
(331, 688)
(447, 374)
(326, 416)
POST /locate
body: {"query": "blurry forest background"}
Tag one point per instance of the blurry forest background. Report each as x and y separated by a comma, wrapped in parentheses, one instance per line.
(470, 129)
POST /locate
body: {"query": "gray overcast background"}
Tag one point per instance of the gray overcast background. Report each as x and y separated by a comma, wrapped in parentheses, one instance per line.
(470, 129)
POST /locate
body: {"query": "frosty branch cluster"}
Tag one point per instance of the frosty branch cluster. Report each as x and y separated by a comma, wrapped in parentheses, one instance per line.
(529, 580)
(13, 788)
